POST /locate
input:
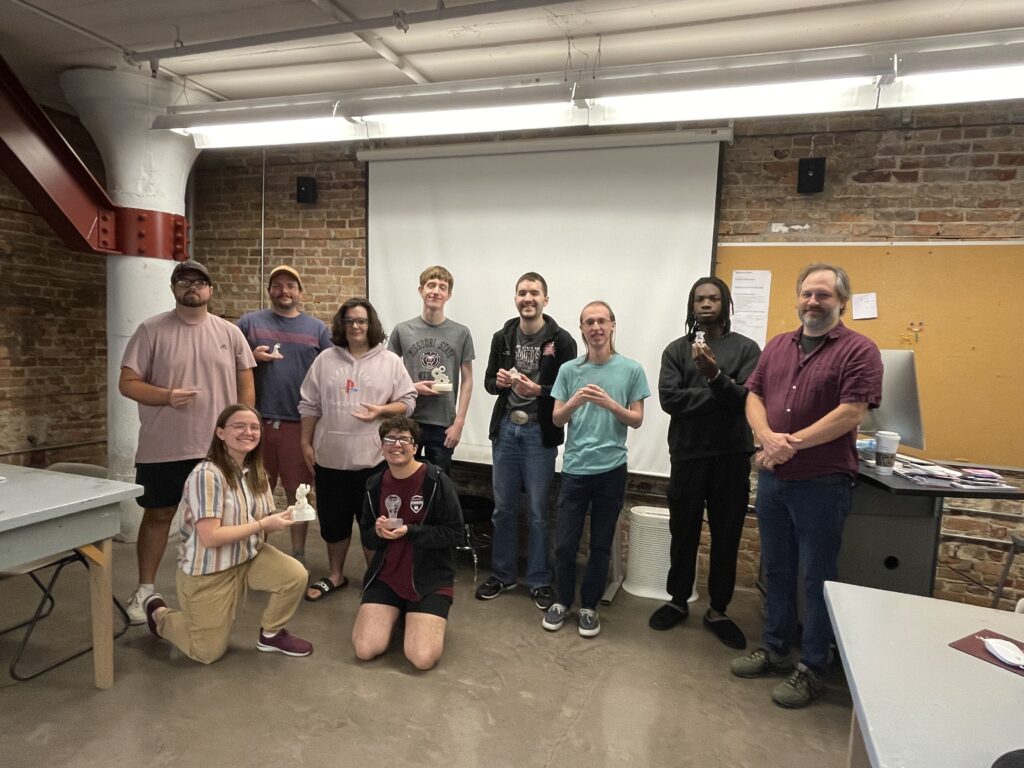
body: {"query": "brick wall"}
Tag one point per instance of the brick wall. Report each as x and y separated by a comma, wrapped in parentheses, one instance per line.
(324, 241)
(52, 333)
(918, 174)
(897, 175)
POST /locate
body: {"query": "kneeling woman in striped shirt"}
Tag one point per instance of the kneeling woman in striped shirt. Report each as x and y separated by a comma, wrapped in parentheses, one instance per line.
(227, 509)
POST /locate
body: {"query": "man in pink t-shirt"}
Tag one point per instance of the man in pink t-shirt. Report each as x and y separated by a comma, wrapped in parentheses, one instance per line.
(183, 368)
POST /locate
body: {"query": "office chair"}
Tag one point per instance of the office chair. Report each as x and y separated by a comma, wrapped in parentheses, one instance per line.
(47, 603)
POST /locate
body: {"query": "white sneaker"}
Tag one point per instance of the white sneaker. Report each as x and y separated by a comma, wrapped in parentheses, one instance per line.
(134, 608)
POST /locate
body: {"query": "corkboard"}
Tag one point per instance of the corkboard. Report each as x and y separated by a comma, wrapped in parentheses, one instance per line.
(967, 300)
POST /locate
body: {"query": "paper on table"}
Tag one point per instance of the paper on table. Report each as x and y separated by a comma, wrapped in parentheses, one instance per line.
(865, 306)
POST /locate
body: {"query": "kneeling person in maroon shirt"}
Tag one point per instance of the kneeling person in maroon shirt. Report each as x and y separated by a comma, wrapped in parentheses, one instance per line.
(413, 568)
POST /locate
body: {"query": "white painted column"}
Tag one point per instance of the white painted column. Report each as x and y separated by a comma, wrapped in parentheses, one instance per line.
(145, 169)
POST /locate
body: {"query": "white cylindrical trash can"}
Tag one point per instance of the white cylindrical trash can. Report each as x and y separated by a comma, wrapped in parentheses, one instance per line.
(649, 560)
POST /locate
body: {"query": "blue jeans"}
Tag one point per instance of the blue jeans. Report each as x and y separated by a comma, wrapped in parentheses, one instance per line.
(521, 462)
(603, 494)
(432, 447)
(801, 525)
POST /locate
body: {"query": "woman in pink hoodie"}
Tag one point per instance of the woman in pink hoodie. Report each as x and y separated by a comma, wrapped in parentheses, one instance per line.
(347, 391)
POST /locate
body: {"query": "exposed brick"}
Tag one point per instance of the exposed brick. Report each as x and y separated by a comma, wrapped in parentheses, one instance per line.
(940, 215)
(993, 174)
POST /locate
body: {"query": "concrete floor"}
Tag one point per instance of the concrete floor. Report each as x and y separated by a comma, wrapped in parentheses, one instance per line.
(506, 693)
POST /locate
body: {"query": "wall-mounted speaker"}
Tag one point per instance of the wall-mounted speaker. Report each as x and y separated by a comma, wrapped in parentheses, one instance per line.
(305, 189)
(810, 175)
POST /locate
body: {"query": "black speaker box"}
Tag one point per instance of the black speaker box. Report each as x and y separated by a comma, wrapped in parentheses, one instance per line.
(810, 175)
(305, 189)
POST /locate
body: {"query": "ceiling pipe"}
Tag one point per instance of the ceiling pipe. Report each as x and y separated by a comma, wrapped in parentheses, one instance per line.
(399, 19)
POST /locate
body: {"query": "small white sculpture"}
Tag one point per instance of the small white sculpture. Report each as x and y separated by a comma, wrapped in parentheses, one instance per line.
(276, 352)
(441, 381)
(303, 511)
(514, 374)
(393, 503)
(698, 338)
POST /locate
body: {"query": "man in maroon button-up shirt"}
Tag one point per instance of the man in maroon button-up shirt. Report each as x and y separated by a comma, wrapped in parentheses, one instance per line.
(807, 396)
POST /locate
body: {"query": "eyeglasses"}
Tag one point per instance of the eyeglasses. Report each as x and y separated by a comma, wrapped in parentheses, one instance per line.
(199, 282)
(350, 321)
(402, 441)
(244, 427)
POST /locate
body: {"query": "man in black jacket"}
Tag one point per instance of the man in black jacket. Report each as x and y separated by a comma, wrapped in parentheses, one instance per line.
(701, 388)
(524, 361)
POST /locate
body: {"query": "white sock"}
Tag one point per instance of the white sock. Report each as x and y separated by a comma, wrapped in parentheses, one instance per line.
(145, 590)
(269, 635)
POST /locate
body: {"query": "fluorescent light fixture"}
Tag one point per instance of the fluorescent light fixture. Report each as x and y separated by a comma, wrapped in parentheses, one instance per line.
(512, 118)
(813, 96)
(955, 87)
(301, 131)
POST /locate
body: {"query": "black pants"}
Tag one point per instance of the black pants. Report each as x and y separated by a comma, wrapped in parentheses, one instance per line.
(723, 483)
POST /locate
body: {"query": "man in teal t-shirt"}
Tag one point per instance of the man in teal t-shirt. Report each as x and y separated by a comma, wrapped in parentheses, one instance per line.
(599, 395)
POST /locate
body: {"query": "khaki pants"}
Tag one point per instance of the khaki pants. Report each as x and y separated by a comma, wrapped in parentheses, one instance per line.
(209, 603)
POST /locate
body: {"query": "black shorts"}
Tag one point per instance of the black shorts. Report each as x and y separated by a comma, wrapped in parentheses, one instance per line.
(380, 593)
(339, 499)
(163, 482)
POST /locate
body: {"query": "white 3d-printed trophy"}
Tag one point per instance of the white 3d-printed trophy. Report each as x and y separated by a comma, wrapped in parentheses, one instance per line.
(303, 511)
(441, 381)
(393, 503)
(276, 352)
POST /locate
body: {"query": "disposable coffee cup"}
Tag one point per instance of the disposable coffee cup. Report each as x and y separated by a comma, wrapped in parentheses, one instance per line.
(886, 446)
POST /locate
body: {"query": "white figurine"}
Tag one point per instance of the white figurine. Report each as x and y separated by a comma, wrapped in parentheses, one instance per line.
(276, 352)
(514, 374)
(393, 503)
(441, 381)
(698, 338)
(303, 511)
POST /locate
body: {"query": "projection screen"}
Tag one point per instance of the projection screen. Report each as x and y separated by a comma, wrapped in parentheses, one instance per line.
(632, 225)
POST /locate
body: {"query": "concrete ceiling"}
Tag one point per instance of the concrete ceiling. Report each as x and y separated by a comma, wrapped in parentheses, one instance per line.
(474, 40)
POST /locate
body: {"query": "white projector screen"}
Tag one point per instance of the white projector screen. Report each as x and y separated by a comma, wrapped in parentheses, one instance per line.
(633, 226)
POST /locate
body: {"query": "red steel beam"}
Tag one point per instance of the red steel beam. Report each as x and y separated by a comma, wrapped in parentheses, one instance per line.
(51, 176)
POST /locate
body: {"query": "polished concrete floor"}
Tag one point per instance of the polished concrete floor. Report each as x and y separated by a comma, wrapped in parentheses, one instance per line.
(506, 693)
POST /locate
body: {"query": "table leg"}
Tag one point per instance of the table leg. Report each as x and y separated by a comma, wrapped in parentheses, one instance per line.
(857, 756)
(102, 607)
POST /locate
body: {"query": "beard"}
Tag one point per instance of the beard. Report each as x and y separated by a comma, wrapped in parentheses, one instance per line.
(818, 323)
(192, 299)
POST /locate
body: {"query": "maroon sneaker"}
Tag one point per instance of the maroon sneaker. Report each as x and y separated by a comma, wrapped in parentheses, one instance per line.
(285, 643)
(150, 606)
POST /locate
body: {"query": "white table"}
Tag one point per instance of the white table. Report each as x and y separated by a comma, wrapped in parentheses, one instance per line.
(44, 513)
(918, 702)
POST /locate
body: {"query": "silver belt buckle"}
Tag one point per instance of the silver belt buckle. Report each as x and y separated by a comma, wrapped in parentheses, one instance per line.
(519, 417)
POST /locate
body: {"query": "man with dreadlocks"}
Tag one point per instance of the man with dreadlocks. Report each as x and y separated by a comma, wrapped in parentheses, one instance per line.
(709, 441)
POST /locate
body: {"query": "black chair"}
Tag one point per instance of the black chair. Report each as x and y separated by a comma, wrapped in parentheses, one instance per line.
(476, 510)
(46, 604)
(1016, 547)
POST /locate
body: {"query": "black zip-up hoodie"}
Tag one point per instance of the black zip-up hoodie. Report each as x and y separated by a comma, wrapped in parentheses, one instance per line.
(502, 356)
(433, 539)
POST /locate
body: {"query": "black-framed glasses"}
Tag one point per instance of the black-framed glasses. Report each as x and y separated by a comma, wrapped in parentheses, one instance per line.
(360, 321)
(402, 441)
(199, 282)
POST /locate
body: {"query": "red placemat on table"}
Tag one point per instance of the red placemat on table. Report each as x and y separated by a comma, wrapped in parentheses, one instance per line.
(973, 644)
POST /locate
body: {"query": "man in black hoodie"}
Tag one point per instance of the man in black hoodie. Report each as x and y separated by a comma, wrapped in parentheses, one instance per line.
(524, 361)
(709, 442)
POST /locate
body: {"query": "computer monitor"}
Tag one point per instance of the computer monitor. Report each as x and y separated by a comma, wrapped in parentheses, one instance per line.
(900, 410)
